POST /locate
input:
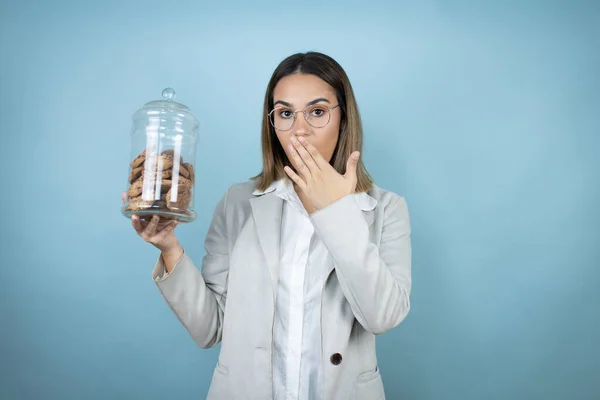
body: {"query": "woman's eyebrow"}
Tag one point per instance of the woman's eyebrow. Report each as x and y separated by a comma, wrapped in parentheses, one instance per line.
(285, 103)
(310, 103)
(315, 101)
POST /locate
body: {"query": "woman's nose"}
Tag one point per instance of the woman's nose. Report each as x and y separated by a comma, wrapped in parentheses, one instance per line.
(301, 126)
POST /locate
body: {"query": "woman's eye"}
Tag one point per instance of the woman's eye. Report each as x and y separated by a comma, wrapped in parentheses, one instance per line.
(317, 112)
(285, 114)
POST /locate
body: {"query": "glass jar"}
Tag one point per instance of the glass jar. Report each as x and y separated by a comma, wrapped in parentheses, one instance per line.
(161, 173)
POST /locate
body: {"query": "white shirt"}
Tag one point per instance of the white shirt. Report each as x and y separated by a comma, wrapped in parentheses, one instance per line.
(297, 330)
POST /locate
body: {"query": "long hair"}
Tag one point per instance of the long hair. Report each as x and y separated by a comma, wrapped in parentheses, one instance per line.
(350, 136)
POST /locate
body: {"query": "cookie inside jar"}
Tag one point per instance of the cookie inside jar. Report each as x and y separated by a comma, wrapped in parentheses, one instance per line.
(160, 184)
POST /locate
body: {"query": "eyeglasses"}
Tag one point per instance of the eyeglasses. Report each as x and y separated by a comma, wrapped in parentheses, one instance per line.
(283, 119)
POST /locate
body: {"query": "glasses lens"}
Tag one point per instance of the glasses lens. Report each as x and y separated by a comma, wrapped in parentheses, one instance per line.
(282, 118)
(317, 115)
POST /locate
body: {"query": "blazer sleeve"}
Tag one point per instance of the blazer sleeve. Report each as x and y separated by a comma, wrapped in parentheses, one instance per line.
(375, 279)
(198, 298)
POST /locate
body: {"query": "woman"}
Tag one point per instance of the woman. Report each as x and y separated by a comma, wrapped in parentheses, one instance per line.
(305, 263)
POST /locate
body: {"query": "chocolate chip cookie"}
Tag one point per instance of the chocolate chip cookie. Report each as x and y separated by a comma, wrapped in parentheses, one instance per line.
(171, 154)
(135, 173)
(190, 169)
(139, 160)
(181, 200)
(156, 170)
(136, 188)
(137, 204)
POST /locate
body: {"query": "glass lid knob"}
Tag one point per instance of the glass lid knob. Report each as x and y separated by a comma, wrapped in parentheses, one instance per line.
(168, 94)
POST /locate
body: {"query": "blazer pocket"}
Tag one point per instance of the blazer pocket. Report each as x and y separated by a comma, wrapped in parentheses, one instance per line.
(369, 386)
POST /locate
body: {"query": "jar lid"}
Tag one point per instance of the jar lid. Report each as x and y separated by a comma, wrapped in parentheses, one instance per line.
(166, 104)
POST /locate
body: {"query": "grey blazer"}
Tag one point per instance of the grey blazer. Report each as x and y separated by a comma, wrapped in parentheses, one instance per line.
(232, 299)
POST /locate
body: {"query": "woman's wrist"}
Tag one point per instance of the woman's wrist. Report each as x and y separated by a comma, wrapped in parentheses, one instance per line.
(171, 256)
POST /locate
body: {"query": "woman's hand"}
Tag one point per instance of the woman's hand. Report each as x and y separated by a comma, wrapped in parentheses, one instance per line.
(319, 181)
(159, 232)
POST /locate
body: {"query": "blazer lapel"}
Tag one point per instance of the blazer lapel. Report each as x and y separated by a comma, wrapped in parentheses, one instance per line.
(267, 213)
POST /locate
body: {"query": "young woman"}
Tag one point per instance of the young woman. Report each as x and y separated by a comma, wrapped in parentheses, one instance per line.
(305, 263)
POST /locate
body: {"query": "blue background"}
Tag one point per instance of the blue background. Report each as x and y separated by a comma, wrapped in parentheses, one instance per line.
(483, 114)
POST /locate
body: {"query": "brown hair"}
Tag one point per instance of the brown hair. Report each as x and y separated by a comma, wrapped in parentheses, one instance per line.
(350, 137)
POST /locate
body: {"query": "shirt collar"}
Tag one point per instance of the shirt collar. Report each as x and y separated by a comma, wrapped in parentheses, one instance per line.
(280, 185)
(284, 188)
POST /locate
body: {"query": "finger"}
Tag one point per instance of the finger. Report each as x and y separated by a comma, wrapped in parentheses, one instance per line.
(170, 227)
(151, 228)
(306, 157)
(137, 225)
(144, 223)
(299, 163)
(163, 233)
(124, 197)
(314, 153)
(351, 165)
(294, 176)
(163, 223)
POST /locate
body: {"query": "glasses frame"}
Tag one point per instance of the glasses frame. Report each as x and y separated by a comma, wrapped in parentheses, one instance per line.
(305, 117)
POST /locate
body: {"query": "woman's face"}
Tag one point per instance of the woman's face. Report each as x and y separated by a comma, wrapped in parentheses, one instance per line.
(303, 91)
